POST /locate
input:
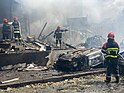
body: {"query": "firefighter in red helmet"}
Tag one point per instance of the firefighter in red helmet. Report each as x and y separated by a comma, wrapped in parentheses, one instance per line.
(5, 20)
(6, 29)
(111, 49)
(111, 35)
(16, 29)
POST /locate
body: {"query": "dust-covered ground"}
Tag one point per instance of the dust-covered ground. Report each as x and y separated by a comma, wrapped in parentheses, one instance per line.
(87, 84)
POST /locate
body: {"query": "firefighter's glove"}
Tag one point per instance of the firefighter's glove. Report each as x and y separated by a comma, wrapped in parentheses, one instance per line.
(104, 51)
(66, 29)
(54, 36)
(105, 63)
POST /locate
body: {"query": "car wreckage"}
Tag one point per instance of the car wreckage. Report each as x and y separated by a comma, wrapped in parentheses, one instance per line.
(83, 59)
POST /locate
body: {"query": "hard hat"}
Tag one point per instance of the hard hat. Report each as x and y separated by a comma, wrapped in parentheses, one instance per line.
(111, 35)
(15, 18)
(58, 27)
(5, 20)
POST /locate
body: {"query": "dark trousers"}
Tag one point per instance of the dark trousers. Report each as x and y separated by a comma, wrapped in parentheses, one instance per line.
(17, 35)
(6, 35)
(58, 41)
(112, 68)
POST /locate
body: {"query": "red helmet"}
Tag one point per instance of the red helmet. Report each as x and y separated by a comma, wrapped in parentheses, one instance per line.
(111, 35)
(15, 18)
(5, 20)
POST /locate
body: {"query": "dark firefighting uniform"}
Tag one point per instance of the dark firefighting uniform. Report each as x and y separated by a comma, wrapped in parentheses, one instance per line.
(58, 36)
(6, 31)
(16, 30)
(111, 50)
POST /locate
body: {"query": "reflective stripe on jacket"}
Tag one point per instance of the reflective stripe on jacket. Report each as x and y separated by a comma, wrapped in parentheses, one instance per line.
(112, 52)
(111, 49)
(15, 32)
(58, 34)
(16, 26)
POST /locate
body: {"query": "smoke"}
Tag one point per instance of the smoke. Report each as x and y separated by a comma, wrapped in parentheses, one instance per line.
(58, 9)
(54, 12)
(99, 10)
(107, 13)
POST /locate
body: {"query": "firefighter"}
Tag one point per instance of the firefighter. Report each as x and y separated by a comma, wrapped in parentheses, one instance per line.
(16, 29)
(6, 29)
(111, 49)
(58, 35)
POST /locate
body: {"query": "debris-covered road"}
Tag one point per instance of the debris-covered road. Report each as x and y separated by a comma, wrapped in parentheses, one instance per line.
(86, 84)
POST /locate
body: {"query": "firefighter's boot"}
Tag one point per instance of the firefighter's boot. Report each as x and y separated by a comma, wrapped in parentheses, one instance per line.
(60, 46)
(117, 79)
(108, 79)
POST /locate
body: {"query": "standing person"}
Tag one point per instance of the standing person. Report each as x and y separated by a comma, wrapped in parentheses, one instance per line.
(6, 29)
(111, 49)
(58, 35)
(16, 29)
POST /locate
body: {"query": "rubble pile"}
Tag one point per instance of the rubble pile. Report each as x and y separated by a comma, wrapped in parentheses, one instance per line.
(86, 84)
(94, 42)
(24, 67)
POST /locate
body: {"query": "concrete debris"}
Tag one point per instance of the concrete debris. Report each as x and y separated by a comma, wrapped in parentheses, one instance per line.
(11, 80)
(94, 42)
(18, 67)
(31, 38)
(35, 67)
(27, 86)
(8, 67)
(23, 67)
(41, 46)
(30, 65)
(9, 89)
